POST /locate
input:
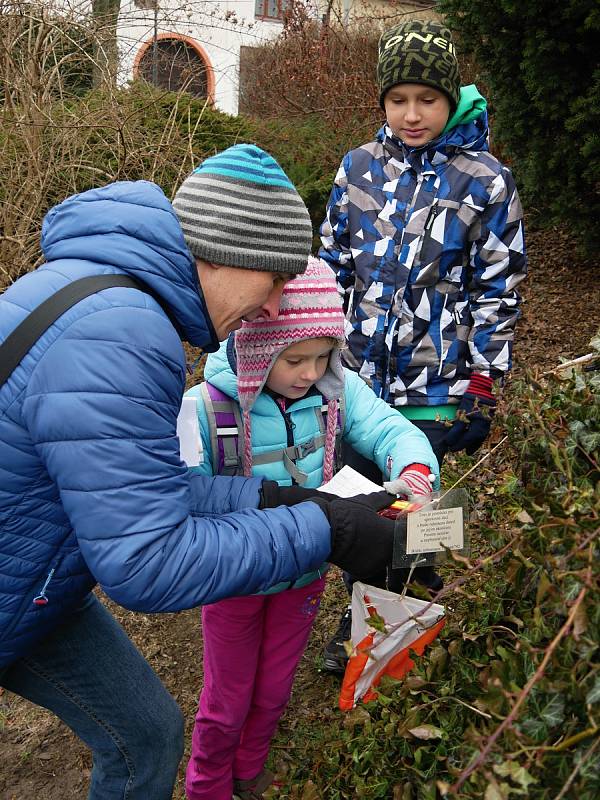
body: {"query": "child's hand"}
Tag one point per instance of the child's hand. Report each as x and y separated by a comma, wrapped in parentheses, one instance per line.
(416, 479)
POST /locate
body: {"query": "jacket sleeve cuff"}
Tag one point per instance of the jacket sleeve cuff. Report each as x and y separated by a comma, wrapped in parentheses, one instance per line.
(481, 386)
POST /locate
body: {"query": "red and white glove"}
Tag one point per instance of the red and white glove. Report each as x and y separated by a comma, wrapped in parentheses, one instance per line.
(414, 480)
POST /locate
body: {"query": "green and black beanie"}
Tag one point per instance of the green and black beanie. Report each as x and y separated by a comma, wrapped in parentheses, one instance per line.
(419, 51)
(239, 209)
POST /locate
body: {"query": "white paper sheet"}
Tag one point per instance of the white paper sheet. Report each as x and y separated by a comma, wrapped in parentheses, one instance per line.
(434, 530)
(348, 482)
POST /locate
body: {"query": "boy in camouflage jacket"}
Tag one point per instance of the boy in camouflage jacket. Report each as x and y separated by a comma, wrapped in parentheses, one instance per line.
(424, 231)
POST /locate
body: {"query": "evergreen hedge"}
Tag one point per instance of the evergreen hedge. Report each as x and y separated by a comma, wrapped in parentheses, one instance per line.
(505, 704)
(134, 133)
(540, 62)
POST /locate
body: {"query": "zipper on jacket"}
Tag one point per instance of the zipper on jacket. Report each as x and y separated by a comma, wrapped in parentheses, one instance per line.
(433, 212)
(26, 600)
(410, 206)
(289, 430)
(289, 427)
(41, 599)
(431, 217)
(386, 377)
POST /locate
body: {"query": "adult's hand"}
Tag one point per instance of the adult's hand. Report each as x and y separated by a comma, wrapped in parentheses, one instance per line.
(361, 541)
(274, 495)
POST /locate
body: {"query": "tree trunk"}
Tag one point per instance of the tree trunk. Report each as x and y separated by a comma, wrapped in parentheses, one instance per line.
(105, 15)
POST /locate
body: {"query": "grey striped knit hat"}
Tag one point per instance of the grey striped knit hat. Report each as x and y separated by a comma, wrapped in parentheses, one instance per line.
(239, 209)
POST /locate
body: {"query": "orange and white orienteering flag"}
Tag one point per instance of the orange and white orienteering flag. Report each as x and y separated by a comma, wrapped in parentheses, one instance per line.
(385, 627)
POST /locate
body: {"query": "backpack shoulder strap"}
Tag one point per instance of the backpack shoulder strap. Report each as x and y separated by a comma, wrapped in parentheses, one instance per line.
(18, 343)
(224, 426)
(226, 440)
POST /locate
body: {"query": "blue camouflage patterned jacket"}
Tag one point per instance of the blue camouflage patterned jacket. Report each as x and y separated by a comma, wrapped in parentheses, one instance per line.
(428, 247)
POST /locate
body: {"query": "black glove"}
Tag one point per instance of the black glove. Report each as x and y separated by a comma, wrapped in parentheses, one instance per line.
(361, 541)
(273, 495)
(472, 424)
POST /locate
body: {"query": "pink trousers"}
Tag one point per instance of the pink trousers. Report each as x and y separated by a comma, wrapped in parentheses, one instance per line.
(252, 646)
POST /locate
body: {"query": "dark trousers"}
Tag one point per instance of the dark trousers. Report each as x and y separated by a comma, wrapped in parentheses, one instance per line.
(394, 579)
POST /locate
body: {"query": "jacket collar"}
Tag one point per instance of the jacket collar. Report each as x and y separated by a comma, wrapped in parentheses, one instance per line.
(470, 136)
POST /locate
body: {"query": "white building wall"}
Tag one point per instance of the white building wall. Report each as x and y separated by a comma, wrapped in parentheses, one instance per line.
(220, 28)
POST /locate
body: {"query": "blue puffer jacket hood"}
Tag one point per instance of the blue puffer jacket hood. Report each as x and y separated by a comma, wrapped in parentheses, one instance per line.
(221, 369)
(132, 225)
(92, 486)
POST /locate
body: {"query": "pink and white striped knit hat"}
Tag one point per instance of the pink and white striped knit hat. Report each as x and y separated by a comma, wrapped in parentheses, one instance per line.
(310, 308)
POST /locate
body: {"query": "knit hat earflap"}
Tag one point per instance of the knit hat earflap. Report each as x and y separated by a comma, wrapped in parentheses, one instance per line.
(310, 309)
(239, 209)
(419, 51)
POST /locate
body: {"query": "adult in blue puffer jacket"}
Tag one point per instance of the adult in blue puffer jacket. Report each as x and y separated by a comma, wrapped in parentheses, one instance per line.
(93, 488)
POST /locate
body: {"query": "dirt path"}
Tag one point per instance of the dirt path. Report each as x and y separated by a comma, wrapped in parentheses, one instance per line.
(39, 757)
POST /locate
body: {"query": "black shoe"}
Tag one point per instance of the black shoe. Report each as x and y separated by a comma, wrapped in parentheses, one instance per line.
(335, 657)
(429, 578)
(252, 789)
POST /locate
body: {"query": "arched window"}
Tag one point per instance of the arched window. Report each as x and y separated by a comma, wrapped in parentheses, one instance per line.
(177, 63)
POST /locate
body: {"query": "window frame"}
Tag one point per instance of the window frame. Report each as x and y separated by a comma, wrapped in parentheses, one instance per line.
(261, 9)
(194, 44)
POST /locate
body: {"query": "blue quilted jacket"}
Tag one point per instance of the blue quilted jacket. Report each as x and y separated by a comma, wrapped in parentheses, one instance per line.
(92, 488)
(428, 248)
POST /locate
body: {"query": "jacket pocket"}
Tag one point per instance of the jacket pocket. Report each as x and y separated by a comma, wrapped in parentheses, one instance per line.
(443, 233)
(38, 591)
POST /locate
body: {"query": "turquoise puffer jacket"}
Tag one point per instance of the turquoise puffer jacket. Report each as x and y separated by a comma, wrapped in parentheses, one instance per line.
(371, 427)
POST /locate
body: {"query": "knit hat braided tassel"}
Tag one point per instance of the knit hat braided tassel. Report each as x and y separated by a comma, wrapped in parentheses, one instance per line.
(332, 409)
(239, 209)
(310, 309)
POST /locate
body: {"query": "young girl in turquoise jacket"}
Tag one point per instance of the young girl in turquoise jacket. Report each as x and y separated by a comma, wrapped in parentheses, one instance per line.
(276, 403)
